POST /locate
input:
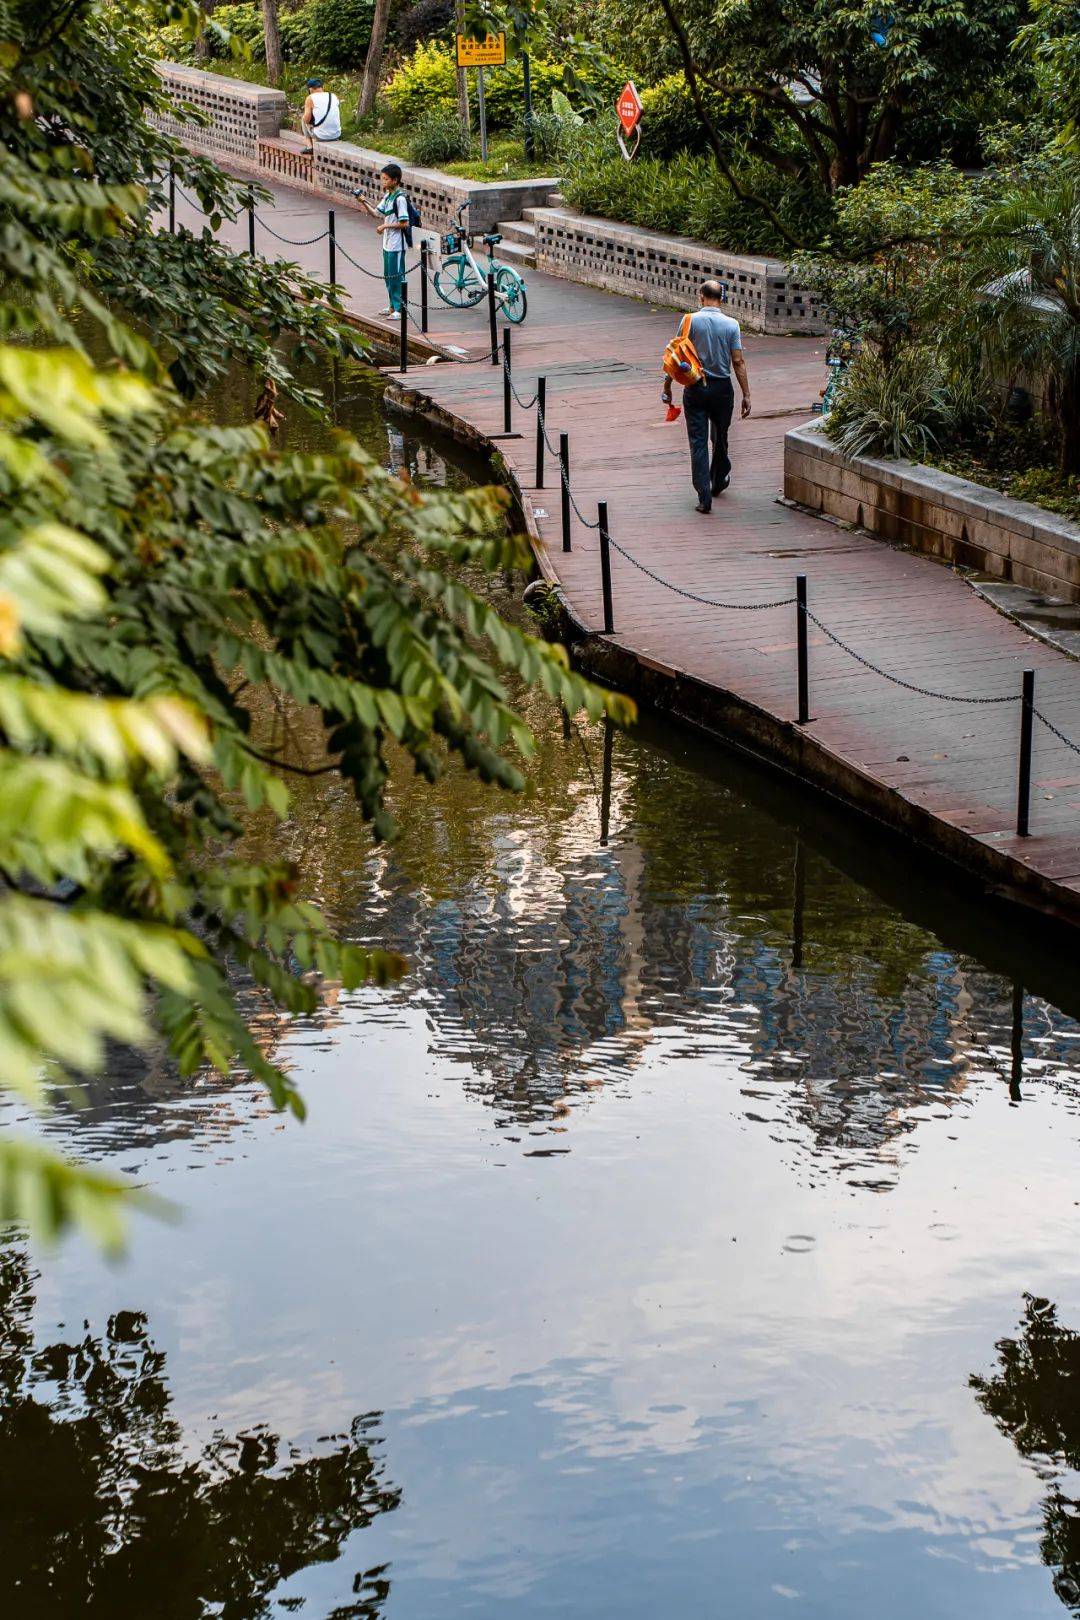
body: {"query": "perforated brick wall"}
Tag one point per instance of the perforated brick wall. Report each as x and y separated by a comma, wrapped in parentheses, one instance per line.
(761, 293)
(237, 114)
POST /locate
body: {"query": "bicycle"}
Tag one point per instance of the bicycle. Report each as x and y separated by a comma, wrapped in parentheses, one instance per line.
(461, 283)
(844, 347)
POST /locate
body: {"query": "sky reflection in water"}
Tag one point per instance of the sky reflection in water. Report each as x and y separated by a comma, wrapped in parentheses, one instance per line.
(635, 1260)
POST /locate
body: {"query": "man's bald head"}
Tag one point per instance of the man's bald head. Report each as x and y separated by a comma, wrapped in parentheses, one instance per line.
(711, 292)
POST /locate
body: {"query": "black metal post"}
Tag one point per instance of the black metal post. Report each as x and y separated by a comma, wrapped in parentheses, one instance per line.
(423, 286)
(172, 200)
(491, 318)
(1027, 726)
(564, 479)
(804, 663)
(605, 566)
(526, 83)
(251, 223)
(331, 238)
(403, 353)
(541, 408)
(507, 382)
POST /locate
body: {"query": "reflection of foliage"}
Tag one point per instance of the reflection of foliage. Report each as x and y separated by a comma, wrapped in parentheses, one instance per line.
(1035, 1400)
(106, 1509)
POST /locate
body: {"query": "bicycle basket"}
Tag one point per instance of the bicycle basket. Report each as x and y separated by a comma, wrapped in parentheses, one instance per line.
(448, 243)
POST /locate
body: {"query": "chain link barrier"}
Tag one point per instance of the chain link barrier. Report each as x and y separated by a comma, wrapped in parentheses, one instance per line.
(692, 596)
(526, 404)
(290, 241)
(909, 686)
(1060, 735)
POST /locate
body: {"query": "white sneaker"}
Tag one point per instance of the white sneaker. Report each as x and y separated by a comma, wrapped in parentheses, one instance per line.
(386, 311)
(393, 315)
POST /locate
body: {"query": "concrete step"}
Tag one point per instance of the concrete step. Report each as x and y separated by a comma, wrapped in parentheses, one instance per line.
(555, 199)
(516, 253)
(516, 230)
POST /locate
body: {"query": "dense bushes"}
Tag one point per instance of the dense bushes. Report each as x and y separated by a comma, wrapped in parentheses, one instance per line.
(427, 19)
(687, 196)
(427, 81)
(669, 119)
(438, 138)
(338, 32)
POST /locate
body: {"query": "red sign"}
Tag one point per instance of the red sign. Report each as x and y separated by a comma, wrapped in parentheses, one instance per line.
(628, 108)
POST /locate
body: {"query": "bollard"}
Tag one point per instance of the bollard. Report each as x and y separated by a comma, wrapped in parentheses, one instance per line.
(541, 408)
(804, 663)
(507, 383)
(331, 238)
(172, 200)
(491, 318)
(403, 353)
(423, 286)
(1027, 726)
(251, 223)
(605, 566)
(564, 479)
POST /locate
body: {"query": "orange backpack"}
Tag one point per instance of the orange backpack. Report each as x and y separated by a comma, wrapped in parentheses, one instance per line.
(681, 362)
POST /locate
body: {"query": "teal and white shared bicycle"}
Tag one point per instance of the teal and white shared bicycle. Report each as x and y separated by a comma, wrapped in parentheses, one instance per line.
(461, 283)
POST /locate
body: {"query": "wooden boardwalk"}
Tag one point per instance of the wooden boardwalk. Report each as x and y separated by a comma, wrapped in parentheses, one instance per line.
(944, 771)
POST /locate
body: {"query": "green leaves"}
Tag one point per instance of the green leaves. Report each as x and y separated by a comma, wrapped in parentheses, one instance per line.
(177, 601)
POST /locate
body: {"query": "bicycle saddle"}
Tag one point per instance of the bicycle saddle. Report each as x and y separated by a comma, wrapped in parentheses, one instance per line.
(491, 237)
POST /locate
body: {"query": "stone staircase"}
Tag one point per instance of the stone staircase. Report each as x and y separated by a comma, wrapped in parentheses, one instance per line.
(518, 245)
(288, 155)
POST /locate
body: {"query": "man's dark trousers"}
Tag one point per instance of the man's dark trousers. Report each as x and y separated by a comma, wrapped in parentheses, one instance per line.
(708, 405)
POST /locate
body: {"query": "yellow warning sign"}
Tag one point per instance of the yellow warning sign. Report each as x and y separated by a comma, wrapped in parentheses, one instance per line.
(489, 52)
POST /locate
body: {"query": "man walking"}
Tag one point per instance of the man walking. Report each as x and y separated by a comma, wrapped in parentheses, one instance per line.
(709, 403)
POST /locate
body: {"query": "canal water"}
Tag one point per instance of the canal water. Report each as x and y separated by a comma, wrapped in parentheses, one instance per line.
(693, 1233)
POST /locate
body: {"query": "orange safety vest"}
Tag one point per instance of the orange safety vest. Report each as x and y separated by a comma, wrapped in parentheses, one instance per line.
(681, 362)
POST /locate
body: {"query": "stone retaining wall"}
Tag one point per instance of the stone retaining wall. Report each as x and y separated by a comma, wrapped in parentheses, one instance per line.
(244, 124)
(933, 512)
(762, 293)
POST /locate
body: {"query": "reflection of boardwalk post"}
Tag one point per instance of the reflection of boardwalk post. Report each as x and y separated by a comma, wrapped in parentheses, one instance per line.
(1017, 1071)
(605, 782)
(798, 904)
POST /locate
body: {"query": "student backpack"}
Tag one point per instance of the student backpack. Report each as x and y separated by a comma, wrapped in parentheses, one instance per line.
(681, 362)
(414, 219)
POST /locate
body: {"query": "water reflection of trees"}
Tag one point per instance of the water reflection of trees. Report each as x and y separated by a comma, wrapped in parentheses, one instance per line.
(1034, 1398)
(108, 1510)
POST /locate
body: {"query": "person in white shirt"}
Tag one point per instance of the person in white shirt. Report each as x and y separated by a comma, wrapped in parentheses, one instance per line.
(392, 213)
(321, 117)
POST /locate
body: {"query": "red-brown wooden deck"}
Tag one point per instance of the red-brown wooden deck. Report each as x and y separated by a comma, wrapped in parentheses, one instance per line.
(600, 354)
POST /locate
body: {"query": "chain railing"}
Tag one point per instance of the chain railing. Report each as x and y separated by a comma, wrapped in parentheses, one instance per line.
(805, 616)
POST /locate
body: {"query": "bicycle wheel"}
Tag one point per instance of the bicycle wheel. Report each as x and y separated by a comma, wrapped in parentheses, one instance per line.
(456, 283)
(511, 291)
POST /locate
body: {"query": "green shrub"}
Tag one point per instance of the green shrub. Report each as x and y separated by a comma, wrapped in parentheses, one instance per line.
(245, 21)
(686, 196)
(427, 81)
(437, 138)
(338, 32)
(902, 410)
(670, 122)
(427, 19)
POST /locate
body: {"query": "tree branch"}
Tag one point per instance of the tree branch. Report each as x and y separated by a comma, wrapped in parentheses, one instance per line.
(690, 69)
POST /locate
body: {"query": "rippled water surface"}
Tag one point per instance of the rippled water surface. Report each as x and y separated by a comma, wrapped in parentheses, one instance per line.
(693, 1233)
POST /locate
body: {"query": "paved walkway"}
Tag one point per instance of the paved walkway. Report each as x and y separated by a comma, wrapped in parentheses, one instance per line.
(912, 616)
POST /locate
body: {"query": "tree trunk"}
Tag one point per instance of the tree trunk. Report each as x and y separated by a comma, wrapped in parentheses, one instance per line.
(202, 45)
(462, 73)
(272, 36)
(374, 59)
